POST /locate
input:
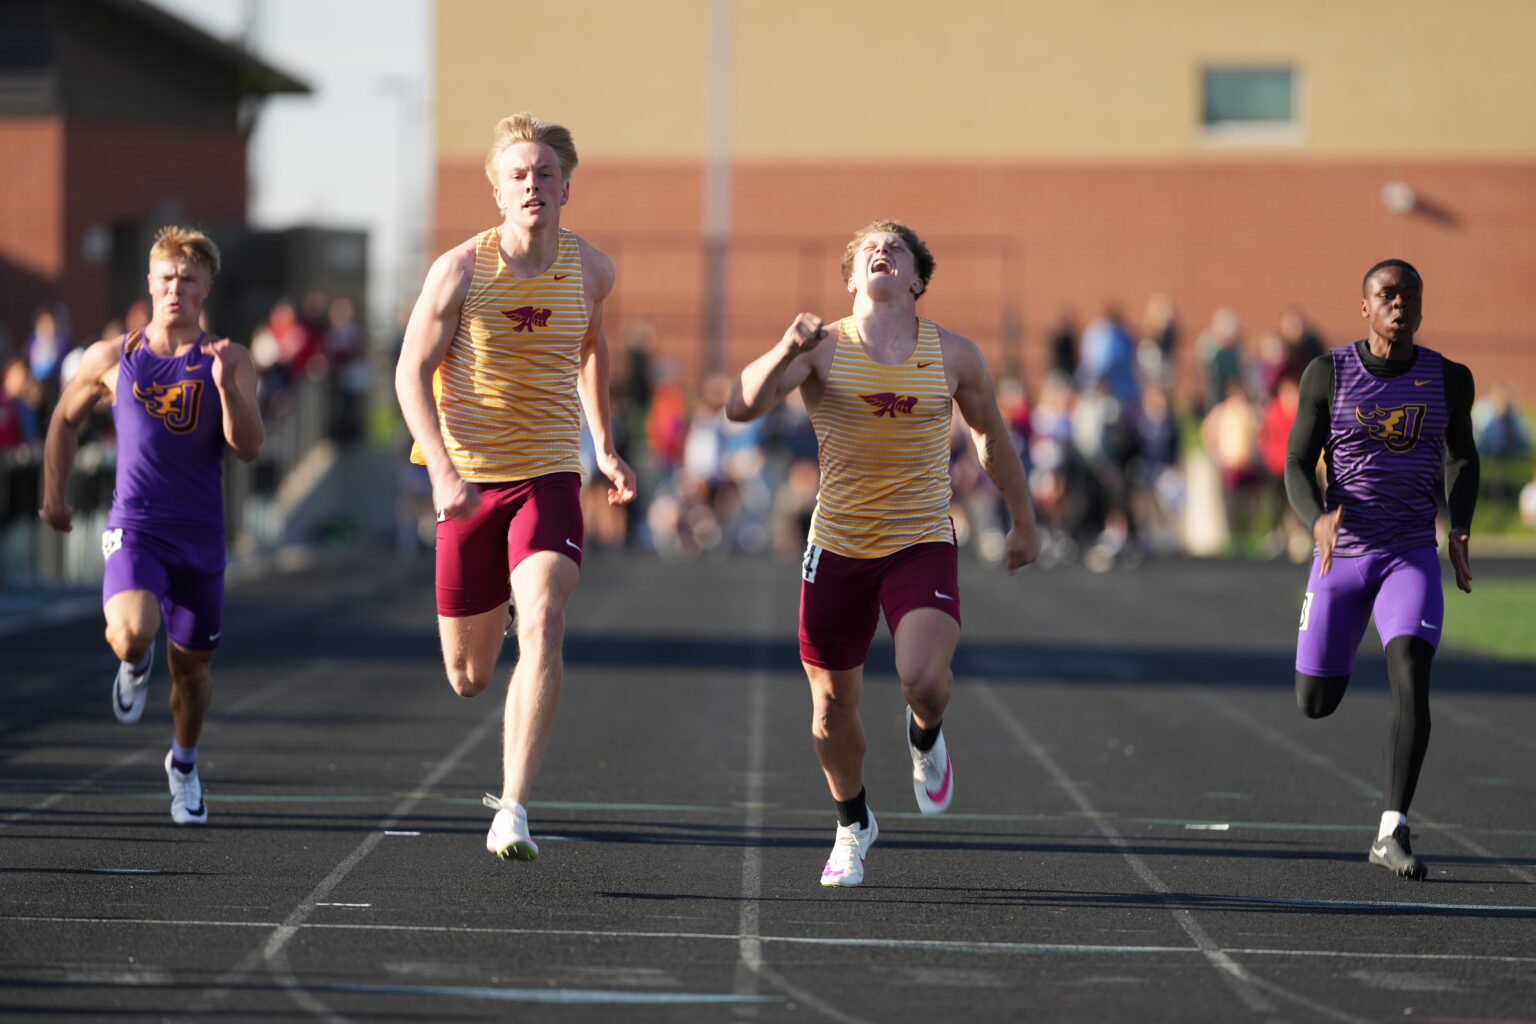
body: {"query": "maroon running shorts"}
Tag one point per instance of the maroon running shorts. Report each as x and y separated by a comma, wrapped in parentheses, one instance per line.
(841, 598)
(476, 556)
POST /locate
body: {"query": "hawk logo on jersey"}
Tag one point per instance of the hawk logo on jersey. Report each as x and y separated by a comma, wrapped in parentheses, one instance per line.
(1397, 428)
(889, 403)
(526, 318)
(176, 404)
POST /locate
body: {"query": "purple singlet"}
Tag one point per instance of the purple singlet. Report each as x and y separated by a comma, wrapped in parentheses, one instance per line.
(1385, 453)
(170, 443)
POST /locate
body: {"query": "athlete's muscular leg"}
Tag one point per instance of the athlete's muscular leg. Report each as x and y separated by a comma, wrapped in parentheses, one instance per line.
(133, 619)
(471, 645)
(542, 583)
(1319, 696)
(1408, 662)
(191, 692)
(925, 647)
(836, 728)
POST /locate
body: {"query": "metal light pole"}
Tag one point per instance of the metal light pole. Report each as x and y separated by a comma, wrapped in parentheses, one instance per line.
(717, 182)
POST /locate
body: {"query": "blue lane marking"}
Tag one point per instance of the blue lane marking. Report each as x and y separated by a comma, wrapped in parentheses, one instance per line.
(551, 995)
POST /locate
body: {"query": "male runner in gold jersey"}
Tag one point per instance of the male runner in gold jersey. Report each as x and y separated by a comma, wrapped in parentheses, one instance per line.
(879, 386)
(503, 352)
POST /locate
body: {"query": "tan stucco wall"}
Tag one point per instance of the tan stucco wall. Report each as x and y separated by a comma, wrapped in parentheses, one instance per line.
(992, 80)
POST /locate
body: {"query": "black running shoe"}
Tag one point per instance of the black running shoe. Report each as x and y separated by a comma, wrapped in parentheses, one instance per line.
(1396, 855)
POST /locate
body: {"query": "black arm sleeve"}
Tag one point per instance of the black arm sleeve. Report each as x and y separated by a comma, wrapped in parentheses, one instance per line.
(1308, 435)
(1463, 470)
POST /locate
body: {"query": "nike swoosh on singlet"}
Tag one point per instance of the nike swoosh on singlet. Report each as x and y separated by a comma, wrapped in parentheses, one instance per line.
(560, 277)
(923, 366)
(1420, 383)
(196, 366)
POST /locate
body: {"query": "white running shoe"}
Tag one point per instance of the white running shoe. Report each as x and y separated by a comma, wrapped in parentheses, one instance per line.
(933, 777)
(509, 838)
(130, 690)
(845, 867)
(187, 807)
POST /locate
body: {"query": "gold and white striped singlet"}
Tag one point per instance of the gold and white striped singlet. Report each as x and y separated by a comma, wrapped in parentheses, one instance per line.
(883, 445)
(506, 389)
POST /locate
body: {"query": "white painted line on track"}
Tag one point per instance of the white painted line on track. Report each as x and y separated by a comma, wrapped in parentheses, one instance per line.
(1248, 987)
(156, 751)
(1422, 818)
(1452, 709)
(750, 949)
(749, 945)
(272, 951)
(932, 945)
(557, 996)
(76, 788)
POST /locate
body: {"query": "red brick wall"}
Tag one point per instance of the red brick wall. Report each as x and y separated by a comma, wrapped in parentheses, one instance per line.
(1024, 241)
(31, 218)
(127, 173)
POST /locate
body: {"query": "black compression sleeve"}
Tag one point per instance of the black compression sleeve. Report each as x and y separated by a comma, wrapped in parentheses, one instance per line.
(1463, 470)
(1308, 435)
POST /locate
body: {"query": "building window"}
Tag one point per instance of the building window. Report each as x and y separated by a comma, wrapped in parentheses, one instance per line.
(1250, 102)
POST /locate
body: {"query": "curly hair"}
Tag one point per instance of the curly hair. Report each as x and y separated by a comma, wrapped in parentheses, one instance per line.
(919, 248)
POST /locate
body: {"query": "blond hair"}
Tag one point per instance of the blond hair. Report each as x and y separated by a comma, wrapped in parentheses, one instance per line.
(174, 242)
(525, 127)
(925, 263)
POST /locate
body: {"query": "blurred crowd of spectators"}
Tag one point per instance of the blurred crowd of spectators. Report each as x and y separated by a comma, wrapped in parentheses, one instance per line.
(1106, 437)
(1106, 434)
(325, 342)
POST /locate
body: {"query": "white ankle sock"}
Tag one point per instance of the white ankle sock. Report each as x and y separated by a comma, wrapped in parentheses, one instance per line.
(1389, 822)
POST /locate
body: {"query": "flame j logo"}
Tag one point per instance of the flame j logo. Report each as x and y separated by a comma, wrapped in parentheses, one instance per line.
(177, 404)
(1397, 428)
(888, 403)
(526, 318)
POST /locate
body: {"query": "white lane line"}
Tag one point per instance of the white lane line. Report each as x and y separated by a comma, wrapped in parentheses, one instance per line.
(933, 945)
(1470, 720)
(156, 751)
(750, 967)
(557, 996)
(75, 788)
(1424, 819)
(1246, 985)
(750, 948)
(272, 951)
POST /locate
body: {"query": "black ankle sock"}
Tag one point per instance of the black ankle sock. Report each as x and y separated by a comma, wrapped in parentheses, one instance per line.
(923, 739)
(855, 810)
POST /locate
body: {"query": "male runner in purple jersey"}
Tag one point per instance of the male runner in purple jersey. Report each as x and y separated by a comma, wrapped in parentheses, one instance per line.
(1392, 419)
(177, 400)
